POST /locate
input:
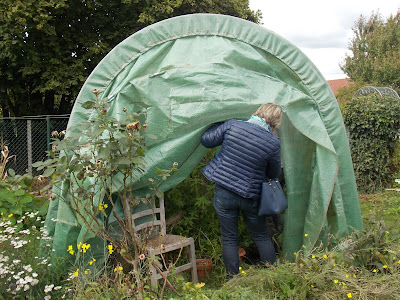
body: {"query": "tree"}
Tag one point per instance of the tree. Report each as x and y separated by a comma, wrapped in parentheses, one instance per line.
(49, 47)
(375, 48)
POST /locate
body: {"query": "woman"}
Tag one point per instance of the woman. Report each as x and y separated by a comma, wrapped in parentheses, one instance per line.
(249, 153)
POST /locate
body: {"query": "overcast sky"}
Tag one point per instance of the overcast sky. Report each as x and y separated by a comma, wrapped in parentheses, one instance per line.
(321, 29)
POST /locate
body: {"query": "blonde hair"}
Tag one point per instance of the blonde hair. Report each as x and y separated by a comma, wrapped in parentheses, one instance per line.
(272, 114)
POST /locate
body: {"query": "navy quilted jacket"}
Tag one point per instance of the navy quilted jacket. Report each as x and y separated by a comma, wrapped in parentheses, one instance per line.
(248, 154)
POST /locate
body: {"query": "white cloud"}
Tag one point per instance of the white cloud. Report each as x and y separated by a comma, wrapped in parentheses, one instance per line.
(321, 29)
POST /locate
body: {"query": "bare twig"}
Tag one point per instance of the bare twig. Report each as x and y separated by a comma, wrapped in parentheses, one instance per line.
(166, 279)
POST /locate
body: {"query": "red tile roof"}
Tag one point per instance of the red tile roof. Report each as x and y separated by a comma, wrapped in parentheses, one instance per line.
(338, 83)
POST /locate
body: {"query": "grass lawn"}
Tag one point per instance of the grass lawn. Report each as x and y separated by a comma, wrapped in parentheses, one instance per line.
(385, 206)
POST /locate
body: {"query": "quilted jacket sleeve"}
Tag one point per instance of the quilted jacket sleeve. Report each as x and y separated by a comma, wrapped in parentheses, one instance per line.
(214, 135)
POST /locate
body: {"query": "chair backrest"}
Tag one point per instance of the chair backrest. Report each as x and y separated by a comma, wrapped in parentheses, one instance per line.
(150, 221)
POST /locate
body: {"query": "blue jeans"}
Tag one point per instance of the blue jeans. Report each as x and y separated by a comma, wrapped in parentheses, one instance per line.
(228, 206)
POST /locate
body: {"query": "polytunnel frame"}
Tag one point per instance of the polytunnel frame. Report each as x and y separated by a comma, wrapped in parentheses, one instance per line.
(381, 91)
(306, 77)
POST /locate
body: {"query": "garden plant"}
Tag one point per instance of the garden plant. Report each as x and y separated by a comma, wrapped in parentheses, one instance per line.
(373, 123)
(363, 266)
(100, 166)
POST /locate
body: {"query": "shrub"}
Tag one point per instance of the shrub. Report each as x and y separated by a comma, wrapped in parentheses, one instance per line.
(15, 201)
(373, 124)
(23, 273)
(94, 169)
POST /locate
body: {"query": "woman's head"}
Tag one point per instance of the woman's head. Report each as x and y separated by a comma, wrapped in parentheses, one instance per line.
(272, 114)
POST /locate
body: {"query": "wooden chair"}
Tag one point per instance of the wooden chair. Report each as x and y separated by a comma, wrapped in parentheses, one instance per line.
(152, 222)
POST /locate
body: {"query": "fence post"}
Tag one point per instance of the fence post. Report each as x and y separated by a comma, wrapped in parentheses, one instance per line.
(29, 145)
(48, 132)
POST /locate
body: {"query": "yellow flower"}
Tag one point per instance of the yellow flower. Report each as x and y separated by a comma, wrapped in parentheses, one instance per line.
(87, 271)
(304, 246)
(387, 232)
(10, 215)
(70, 250)
(79, 245)
(199, 285)
(374, 270)
(92, 261)
(243, 272)
(336, 281)
(105, 206)
(75, 273)
(110, 248)
(313, 256)
(398, 262)
(100, 207)
(306, 235)
(119, 268)
(240, 268)
(385, 266)
(347, 276)
(349, 295)
(85, 247)
(354, 275)
(325, 256)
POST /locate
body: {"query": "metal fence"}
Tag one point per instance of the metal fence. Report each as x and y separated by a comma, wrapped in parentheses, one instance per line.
(28, 138)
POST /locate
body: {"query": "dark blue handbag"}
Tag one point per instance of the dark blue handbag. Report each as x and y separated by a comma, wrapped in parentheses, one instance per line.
(273, 200)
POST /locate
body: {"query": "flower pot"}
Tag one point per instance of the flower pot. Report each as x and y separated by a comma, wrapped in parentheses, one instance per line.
(203, 268)
(242, 253)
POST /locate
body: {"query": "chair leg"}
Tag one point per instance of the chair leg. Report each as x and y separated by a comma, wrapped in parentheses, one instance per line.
(153, 273)
(192, 258)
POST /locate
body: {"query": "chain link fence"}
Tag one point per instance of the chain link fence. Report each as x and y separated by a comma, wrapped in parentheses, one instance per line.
(28, 138)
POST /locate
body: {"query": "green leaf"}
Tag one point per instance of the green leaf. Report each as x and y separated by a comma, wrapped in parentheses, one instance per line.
(37, 164)
(140, 151)
(25, 199)
(96, 132)
(49, 162)
(48, 172)
(11, 172)
(16, 210)
(124, 161)
(88, 104)
(19, 192)
(104, 153)
(114, 146)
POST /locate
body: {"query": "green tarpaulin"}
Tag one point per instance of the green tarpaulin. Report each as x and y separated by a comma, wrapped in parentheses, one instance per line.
(189, 72)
